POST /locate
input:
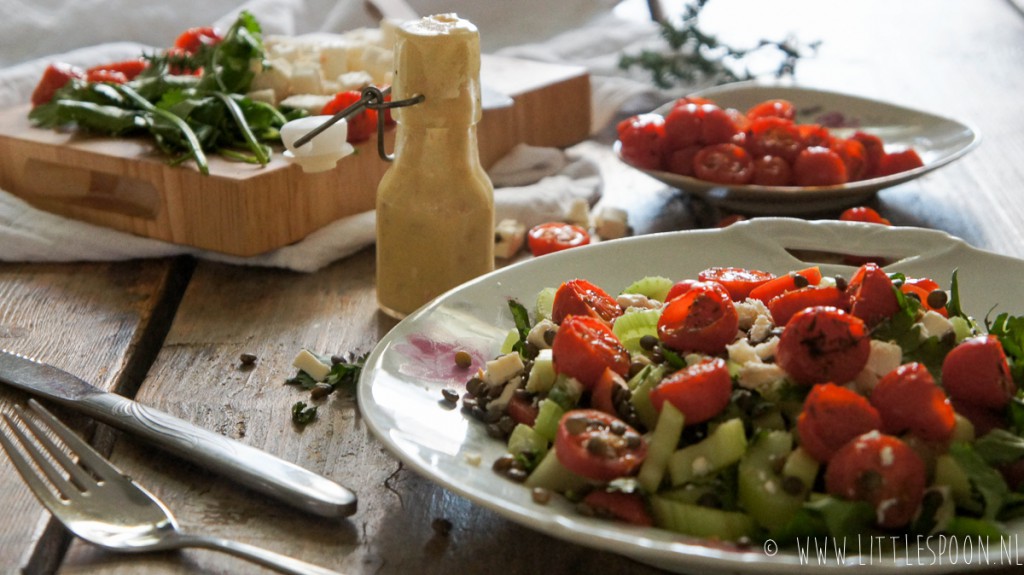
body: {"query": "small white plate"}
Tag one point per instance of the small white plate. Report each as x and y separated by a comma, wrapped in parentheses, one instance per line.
(938, 140)
(400, 387)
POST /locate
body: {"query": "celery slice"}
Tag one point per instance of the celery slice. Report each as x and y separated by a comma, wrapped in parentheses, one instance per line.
(661, 446)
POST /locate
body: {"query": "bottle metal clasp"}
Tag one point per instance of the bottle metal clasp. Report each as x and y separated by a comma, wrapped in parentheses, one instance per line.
(373, 98)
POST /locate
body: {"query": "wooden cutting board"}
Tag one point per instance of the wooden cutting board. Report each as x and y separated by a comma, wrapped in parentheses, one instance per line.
(244, 210)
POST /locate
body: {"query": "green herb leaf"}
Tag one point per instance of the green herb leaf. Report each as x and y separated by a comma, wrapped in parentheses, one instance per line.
(303, 414)
(999, 447)
(985, 481)
(521, 317)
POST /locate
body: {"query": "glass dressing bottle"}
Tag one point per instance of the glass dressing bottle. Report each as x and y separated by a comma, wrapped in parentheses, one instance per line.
(435, 204)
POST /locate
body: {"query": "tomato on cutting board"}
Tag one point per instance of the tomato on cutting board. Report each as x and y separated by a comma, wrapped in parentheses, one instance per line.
(553, 237)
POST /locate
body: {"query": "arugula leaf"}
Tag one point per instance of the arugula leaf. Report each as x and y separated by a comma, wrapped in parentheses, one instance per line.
(521, 317)
(953, 305)
(999, 447)
(985, 481)
(1010, 331)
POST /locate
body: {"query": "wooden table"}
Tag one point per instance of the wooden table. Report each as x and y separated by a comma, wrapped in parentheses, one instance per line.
(170, 332)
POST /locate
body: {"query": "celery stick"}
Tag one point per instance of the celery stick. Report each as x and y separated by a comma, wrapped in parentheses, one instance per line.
(661, 446)
(699, 521)
(721, 448)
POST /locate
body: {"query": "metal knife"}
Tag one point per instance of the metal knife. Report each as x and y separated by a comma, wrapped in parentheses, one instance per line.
(249, 466)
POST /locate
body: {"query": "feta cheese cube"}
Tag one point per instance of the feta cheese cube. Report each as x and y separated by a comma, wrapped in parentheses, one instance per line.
(612, 223)
(509, 237)
(311, 365)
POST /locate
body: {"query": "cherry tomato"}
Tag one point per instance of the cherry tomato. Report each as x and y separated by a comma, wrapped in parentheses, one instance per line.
(552, 237)
(628, 507)
(54, 78)
(522, 411)
(602, 397)
(785, 305)
(772, 171)
(873, 294)
(679, 288)
(806, 277)
(702, 319)
(773, 136)
(831, 417)
(976, 372)
(642, 139)
(584, 346)
(717, 125)
(191, 40)
(127, 68)
(773, 108)
(700, 391)
(983, 419)
(823, 344)
(818, 166)
(737, 281)
(854, 157)
(680, 161)
(881, 470)
(908, 399)
(724, 164)
(683, 125)
(863, 214)
(580, 297)
(598, 446)
(874, 149)
(815, 135)
(922, 288)
(105, 76)
(896, 162)
(362, 125)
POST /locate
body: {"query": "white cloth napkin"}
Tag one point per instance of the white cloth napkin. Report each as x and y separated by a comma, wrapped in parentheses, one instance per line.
(533, 185)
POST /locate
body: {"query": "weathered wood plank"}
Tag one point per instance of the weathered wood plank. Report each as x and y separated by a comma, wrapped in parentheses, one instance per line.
(97, 321)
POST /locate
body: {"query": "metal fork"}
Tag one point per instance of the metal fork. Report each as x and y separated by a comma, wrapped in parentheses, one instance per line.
(101, 505)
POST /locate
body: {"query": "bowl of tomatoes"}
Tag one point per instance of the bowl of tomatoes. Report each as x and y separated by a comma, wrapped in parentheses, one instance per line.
(770, 149)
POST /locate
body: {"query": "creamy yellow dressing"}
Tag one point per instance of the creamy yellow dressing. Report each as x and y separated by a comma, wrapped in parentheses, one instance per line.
(435, 205)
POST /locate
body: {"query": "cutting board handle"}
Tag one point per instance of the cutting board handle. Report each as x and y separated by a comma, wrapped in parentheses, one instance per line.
(54, 182)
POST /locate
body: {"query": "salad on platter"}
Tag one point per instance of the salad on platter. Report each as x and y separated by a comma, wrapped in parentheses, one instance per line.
(743, 406)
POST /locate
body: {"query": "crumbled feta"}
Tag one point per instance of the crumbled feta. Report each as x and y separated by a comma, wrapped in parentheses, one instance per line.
(473, 458)
(766, 349)
(536, 335)
(884, 357)
(636, 301)
(748, 312)
(578, 213)
(761, 329)
(504, 368)
(934, 324)
(742, 352)
(763, 378)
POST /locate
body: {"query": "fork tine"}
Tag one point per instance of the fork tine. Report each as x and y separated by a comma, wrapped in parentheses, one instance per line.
(78, 475)
(28, 473)
(85, 452)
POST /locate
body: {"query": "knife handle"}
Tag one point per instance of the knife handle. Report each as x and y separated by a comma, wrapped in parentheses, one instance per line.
(249, 466)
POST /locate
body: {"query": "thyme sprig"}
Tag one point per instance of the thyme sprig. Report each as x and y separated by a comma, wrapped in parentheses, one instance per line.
(694, 56)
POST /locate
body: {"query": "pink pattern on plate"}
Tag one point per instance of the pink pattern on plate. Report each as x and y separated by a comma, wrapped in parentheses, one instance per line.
(433, 358)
